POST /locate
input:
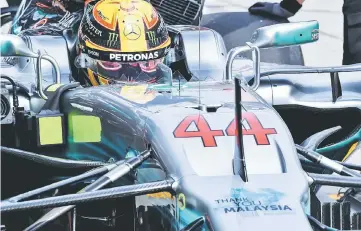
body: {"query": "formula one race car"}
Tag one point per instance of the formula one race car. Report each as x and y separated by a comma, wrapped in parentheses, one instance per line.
(171, 156)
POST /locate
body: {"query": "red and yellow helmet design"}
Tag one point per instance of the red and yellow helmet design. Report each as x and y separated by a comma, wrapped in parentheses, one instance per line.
(123, 31)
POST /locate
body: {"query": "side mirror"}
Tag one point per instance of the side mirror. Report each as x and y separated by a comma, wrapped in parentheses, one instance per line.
(13, 45)
(286, 34)
(279, 35)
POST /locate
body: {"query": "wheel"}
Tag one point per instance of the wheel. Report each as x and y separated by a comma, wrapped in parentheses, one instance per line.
(236, 29)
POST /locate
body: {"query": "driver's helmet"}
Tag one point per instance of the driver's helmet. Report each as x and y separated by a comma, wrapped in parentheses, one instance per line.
(121, 41)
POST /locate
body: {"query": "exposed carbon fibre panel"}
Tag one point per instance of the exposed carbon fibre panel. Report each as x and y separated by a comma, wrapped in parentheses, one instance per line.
(51, 161)
(73, 199)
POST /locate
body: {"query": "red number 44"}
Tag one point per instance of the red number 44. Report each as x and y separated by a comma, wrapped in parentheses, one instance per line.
(208, 135)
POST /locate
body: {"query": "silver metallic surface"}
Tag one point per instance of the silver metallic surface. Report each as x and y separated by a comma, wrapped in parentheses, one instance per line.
(311, 89)
(127, 166)
(278, 35)
(257, 59)
(331, 164)
(116, 192)
(283, 34)
(326, 162)
(157, 130)
(198, 168)
(120, 171)
(232, 54)
(315, 140)
(51, 161)
(40, 73)
(55, 66)
(13, 45)
(155, 121)
(210, 65)
(33, 103)
(52, 45)
(334, 180)
(74, 219)
(23, 69)
(85, 175)
(347, 165)
(39, 78)
(300, 70)
(296, 88)
(212, 196)
(188, 159)
(309, 179)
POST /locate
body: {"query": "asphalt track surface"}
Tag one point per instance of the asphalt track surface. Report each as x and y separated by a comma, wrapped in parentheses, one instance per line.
(326, 52)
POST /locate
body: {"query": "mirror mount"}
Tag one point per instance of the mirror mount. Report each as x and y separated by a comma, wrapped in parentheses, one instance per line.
(279, 35)
(39, 74)
(13, 45)
(256, 64)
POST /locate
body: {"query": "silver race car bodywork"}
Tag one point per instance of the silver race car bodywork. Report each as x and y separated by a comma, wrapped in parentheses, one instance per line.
(289, 92)
(196, 147)
(190, 132)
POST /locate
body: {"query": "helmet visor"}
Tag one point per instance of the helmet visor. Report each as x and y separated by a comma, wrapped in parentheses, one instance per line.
(145, 71)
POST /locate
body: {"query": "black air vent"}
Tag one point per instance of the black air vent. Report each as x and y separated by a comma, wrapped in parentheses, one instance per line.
(178, 12)
(207, 108)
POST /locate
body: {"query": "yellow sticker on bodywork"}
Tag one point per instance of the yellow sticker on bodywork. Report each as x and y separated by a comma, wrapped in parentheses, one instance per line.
(85, 128)
(181, 201)
(353, 147)
(335, 196)
(137, 94)
(138, 89)
(54, 87)
(161, 195)
(50, 130)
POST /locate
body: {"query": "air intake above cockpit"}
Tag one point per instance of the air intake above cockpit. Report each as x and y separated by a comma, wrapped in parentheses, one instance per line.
(179, 12)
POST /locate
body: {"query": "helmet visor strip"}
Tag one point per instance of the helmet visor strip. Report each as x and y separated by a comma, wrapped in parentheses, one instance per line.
(143, 71)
